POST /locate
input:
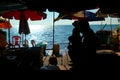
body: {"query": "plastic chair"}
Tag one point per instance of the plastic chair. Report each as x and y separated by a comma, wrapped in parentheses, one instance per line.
(16, 41)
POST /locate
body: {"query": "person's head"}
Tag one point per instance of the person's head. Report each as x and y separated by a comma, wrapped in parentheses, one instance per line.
(53, 61)
(75, 23)
(84, 25)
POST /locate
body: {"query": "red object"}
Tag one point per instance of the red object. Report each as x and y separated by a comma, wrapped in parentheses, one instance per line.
(33, 15)
(16, 41)
(5, 25)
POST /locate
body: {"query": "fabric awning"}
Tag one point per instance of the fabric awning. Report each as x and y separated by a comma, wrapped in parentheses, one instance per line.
(32, 15)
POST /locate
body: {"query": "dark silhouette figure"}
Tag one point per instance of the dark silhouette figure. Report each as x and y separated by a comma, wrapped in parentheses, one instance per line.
(82, 49)
(74, 46)
(89, 42)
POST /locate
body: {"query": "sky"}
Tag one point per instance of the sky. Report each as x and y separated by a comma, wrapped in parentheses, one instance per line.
(49, 20)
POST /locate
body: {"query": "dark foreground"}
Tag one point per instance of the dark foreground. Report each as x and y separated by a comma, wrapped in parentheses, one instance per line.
(28, 62)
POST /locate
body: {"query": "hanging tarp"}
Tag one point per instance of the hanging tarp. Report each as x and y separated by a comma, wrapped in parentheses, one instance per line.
(90, 16)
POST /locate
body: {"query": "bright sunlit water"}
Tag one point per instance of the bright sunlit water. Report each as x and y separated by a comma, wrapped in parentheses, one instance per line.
(42, 33)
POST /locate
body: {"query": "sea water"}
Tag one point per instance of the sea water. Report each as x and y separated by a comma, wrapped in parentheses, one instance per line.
(49, 35)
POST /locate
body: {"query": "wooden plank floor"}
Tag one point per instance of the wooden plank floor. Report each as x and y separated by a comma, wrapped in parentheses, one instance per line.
(63, 60)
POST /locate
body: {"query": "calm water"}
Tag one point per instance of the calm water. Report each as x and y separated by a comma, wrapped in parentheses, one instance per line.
(45, 33)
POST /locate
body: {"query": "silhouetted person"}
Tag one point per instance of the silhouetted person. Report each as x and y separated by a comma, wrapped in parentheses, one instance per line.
(75, 45)
(89, 42)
